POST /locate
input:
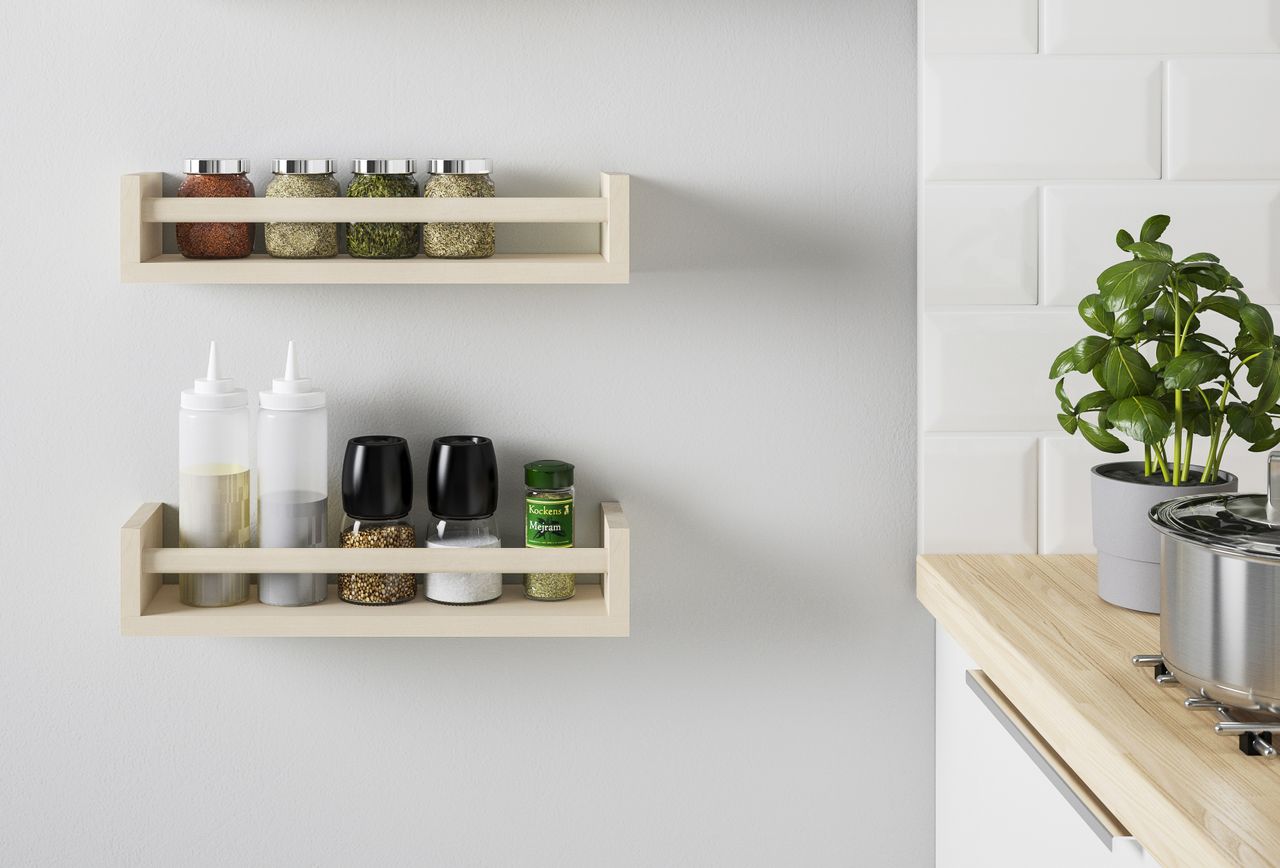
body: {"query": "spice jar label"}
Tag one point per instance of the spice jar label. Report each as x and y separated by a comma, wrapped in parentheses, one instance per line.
(549, 523)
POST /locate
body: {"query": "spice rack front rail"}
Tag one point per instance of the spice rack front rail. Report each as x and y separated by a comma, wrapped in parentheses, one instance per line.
(148, 607)
(144, 210)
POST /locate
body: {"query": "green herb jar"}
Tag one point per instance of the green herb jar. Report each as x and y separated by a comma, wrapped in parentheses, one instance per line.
(548, 504)
(459, 179)
(302, 179)
(383, 179)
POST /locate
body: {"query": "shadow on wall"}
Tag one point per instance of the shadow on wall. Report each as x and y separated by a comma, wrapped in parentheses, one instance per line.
(676, 228)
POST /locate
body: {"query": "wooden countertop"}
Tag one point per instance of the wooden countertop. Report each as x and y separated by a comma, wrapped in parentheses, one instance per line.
(1038, 629)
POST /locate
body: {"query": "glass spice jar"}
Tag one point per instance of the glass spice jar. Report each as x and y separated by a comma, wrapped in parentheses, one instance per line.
(462, 494)
(383, 179)
(452, 179)
(215, 178)
(548, 499)
(377, 493)
(302, 179)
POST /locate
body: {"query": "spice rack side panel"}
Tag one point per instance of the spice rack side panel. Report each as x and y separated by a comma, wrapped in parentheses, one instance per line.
(144, 210)
(148, 607)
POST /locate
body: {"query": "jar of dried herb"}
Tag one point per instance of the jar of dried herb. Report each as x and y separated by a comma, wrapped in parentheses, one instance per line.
(451, 179)
(548, 500)
(383, 179)
(302, 179)
(215, 178)
(377, 493)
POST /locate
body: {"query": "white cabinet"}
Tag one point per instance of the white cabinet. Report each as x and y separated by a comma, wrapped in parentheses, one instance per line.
(996, 807)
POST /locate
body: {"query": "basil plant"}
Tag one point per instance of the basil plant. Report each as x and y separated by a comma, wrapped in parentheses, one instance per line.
(1160, 379)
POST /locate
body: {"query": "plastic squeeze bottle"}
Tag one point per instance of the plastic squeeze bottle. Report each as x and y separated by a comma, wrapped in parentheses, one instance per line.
(293, 481)
(213, 482)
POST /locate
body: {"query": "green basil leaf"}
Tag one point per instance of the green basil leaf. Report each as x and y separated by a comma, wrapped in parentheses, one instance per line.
(1268, 387)
(1099, 439)
(1098, 400)
(1125, 372)
(1266, 444)
(1128, 323)
(1094, 314)
(1247, 425)
(1193, 368)
(1089, 352)
(1154, 227)
(1142, 418)
(1063, 363)
(1257, 321)
(1152, 251)
(1123, 239)
(1067, 422)
(1223, 304)
(1125, 284)
(1065, 402)
(1202, 257)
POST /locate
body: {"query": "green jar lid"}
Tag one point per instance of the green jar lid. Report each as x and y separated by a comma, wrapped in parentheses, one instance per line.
(547, 473)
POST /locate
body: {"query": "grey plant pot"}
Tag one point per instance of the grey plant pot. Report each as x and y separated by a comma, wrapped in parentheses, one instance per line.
(1128, 546)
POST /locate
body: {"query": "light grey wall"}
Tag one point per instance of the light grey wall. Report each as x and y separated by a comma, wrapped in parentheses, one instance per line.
(748, 397)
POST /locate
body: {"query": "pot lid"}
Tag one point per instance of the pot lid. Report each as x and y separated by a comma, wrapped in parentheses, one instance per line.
(1234, 524)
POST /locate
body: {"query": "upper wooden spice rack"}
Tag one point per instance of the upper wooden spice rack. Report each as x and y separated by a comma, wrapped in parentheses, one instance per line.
(150, 608)
(144, 210)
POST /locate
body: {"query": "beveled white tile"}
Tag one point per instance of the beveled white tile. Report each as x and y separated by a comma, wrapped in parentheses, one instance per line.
(1236, 222)
(1160, 26)
(979, 244)
(979, 26)
(1222, 121)
(1036, 117)
(978, 494)
(989, 370)
(1066, 514)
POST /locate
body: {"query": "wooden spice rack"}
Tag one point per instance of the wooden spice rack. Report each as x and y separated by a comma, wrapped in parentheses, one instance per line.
(144, 210)
(148, 607)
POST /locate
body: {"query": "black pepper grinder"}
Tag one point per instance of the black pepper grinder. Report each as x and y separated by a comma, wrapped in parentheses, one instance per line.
(377, 494)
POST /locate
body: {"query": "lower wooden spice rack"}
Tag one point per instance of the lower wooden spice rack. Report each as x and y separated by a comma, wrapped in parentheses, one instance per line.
(148, 607)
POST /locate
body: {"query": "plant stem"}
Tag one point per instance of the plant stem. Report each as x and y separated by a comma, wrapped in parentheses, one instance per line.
(1177, 437)
(1146, 459)
(1186, 467)
(1160, 460)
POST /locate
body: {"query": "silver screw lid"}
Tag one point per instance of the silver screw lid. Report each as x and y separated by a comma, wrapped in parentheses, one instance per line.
(215, 166)
(296, 166)
(459, 167)
(383, 167)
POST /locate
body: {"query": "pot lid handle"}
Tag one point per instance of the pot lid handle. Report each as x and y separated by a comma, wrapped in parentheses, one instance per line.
(1273, 487)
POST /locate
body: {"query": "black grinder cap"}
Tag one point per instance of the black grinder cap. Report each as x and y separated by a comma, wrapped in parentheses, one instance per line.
(462, 477)
(377, 478)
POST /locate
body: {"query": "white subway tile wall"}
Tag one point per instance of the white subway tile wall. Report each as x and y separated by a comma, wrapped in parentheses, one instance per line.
(1036, 117)
(1223, 121)
(979, 494)
(979, 26)
(980, 245)
(1159, 26)
(988, 370)
(1030, 162)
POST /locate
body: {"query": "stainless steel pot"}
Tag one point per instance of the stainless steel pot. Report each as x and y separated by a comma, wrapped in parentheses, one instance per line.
(1220, 593)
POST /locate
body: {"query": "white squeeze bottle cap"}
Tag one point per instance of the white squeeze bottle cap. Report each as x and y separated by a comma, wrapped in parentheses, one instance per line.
(291, 392)
(213, 391)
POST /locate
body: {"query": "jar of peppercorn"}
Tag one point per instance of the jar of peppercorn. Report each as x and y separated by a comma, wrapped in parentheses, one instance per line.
(377, 494)
(215, 178)
(383, 179)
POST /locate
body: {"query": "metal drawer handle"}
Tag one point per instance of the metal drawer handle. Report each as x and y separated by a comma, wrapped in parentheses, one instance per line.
(1078, 796)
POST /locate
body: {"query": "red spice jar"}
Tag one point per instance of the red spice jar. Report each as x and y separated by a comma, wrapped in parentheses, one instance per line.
(215, 240)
